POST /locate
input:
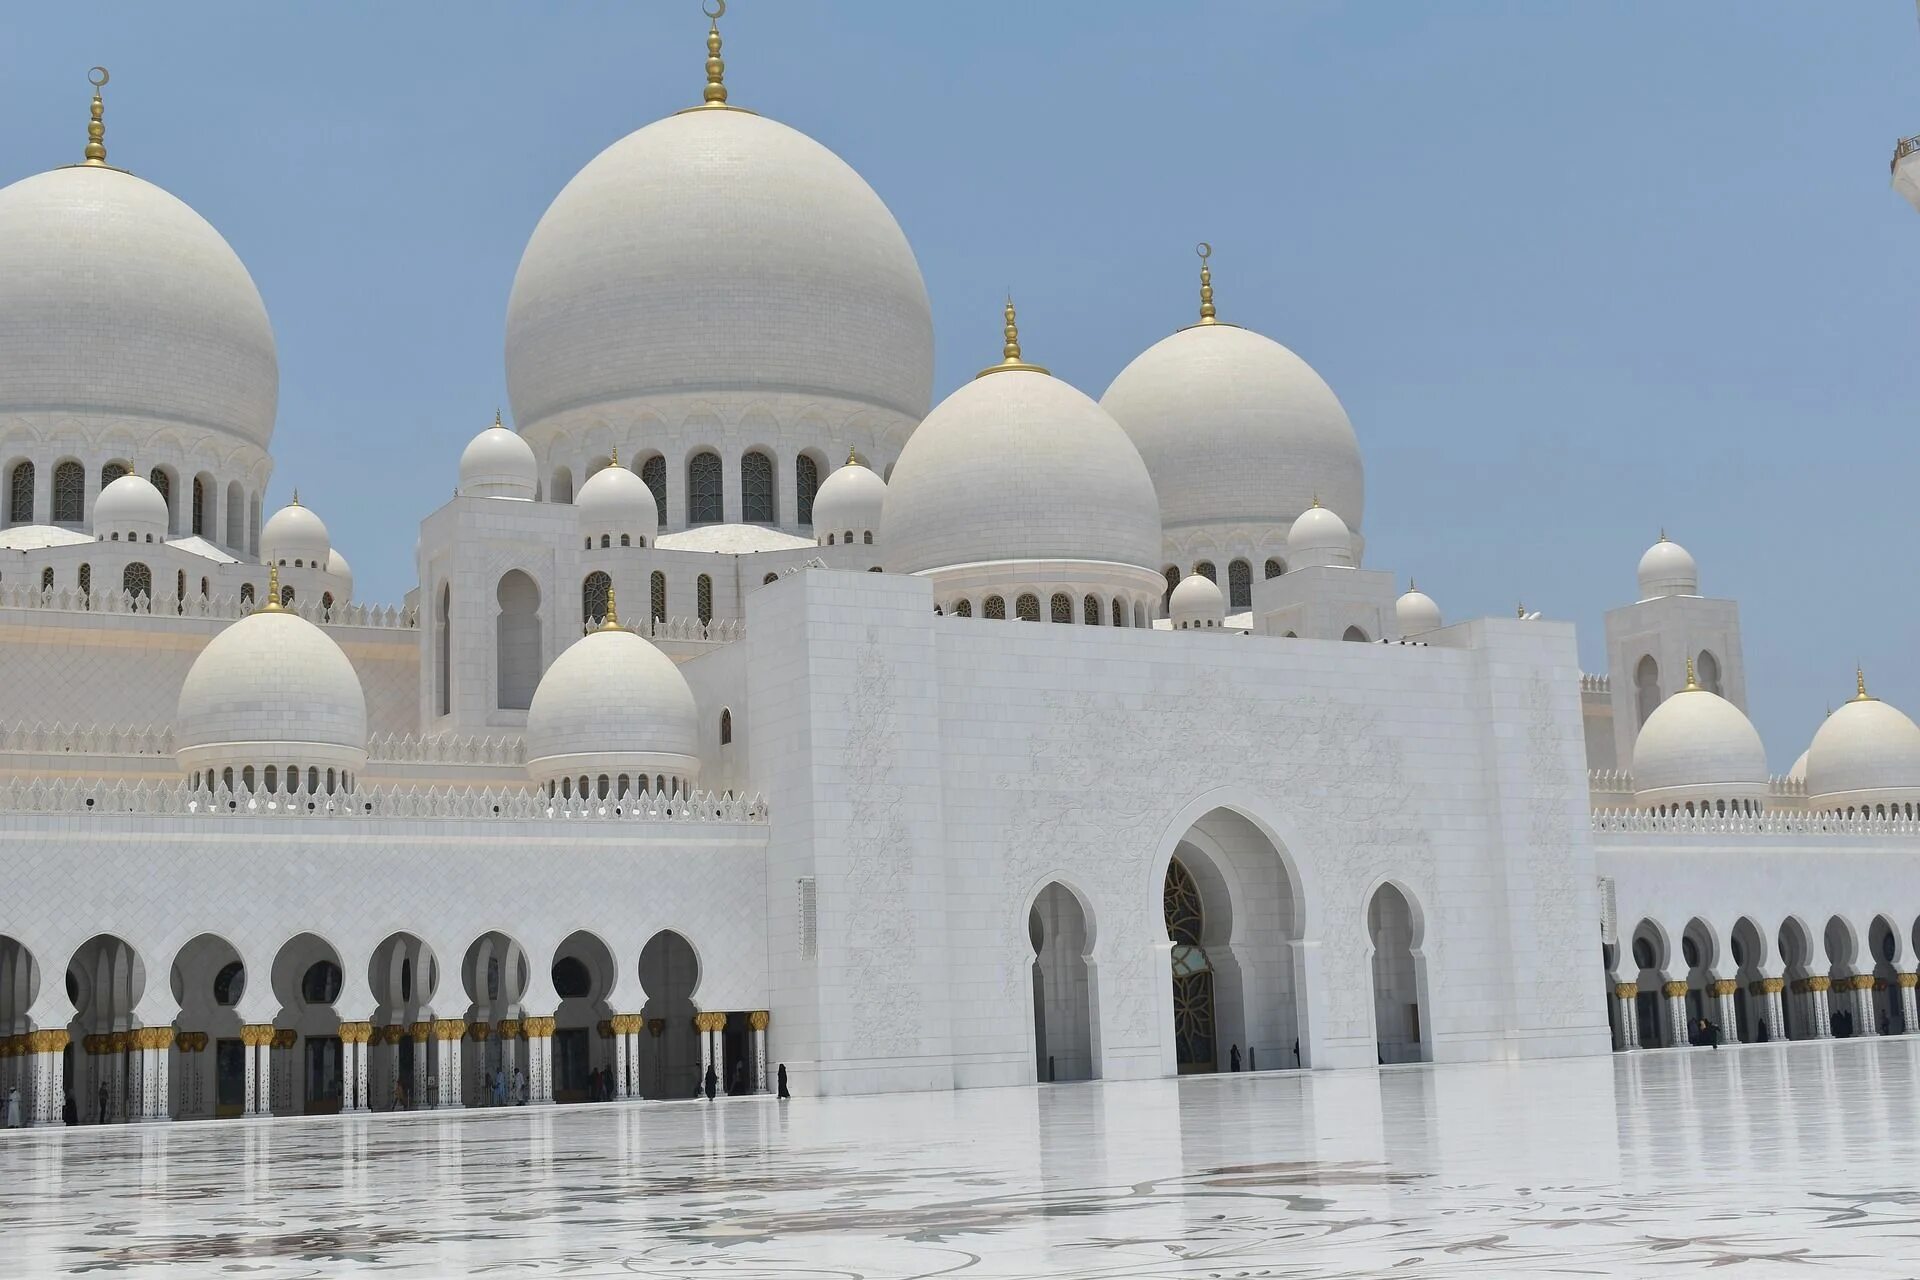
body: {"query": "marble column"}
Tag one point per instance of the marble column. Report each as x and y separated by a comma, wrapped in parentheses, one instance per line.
(391, 1035)
(539, 1033)
(475, 1061)
(1909, 1005)
(258, 1039)
(419, 1092)
(626, 1026)
(1676, 997)
(758, 1020)
(1865, 1021)
(116, 1065)
(1818, 1010)
(1626, 1002)
(287, 1081)
(10, 1070)
(1724, 1013)
(1770, 1008)
(447, 1034)
(703, 1027)
(150, 1046)
(512, 1052)
(42, 1096)
(353, 1065)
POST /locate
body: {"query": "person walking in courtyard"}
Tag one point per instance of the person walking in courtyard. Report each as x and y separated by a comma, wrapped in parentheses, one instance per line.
(499, 1087)
(713, 1082)
(1233, 1058)
(101, 1114)
(13, 1107)
(519, 1088)
(70, 1110)
(783, 1081)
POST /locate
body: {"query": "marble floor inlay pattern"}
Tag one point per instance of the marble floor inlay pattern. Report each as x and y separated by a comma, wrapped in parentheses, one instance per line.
(1777, 1159)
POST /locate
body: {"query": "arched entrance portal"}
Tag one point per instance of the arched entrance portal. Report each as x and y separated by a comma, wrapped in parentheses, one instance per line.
(1398, 1029)
(1062, 988)
(1195, 1040)
(670, 1051)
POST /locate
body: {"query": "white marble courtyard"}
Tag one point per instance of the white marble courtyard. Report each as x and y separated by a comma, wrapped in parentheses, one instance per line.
(1766, 1159)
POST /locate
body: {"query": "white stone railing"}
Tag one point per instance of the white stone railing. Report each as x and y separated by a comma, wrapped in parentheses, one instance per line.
(95, 740)
(1617, 781)
(1763, 824)
(1783, 787)
(407, 748)
(223, 606)
(1595, 684)
(720, 631)
(80, 796)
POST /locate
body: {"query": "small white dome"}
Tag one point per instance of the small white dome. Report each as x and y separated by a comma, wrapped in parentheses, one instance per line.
(1416, 612)
(1698, 748)
(1197, 603)
(497, 463)
(1319, 538)
(338, 567)
(1866, 753)
(613, 704)
(849, 504)
(130, 507)
(1668, 570)
(294, 533)
(1017, 465)
(1236, 429)
(271, 689)
(614, 501)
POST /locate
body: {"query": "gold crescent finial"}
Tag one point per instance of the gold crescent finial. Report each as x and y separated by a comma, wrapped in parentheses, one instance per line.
(716, 92)
(96, 152)
(1205, 251)
(1010, 348)
(853, 458)
(273, 589)
(612, 620)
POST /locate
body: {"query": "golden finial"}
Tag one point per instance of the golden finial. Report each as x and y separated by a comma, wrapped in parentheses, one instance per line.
(1860, 683)
(1693, 686)
(96, 151)
(1316, 499)
(1205, 251)
(273, 589)
(496, 417)
(1520, 610)
(296, 497)
(612, 620)
(1412, 586)
(853, 457)
(1663, 533)
(1010, 349)
(616, 457)
(716, 94)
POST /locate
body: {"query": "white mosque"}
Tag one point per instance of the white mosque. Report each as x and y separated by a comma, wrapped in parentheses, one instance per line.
(751, 709)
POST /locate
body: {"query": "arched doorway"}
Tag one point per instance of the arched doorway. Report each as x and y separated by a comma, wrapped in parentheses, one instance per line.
(105, 980)
(1843, 952)
(582, 975)
(1749, 948)
(495, 974)
(1195, 1030)
(208, 980)
(1649, 949)
(402, 976)
(670, 1051)
(1700, 952)
(1796, 954)
(1883, 942)
(1398, 1029)
(307, 1065)
(1062, 989)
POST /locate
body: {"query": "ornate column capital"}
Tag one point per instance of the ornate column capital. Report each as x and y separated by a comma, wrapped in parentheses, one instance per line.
(393, 1032)
(709, 1022)
(627, 1024)
(1819, 982)
(1908, 979)
(151, 1037)
(758, 1019)
(510, 1028)
(1674, 990)
(285, 1038)
(479, 1031)
(1861, 982)
(604, 1028)
(1626, 990)
(542, 1027)
(255, 1034)
(1725, 986)
(52, 1040)
(356, 1032)
(117, 1042)
(449, 1028)
(420, 1031)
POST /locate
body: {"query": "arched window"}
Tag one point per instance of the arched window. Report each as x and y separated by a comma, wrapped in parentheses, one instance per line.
(236, 516)
(326, 605)
(164, 483)
(1060, 608)
(705, 501)
(46, 578)
(1205, 569)
(199, 507)
(593, 598)
(69, 493)
(654, 472)
(180, 586)
(561, 490)
(866, 537)
(137, 580)
(756, 488)
(253, 524)
(111, 472)
(806, 483)
(1027, 608)
(1240, 585)
(1706, 672)
(726, 726)
(703, 596)
(659, 596)
(964, 609)
(321, 983)
(995, 608)
(203, 588)
(1646, 687)
(1119, 613)
(246, 593)
(1172, 575)
(443, 646)
(20, 494)
(570, 978)
(286, 597)
(1356, 635)
(1275, 567)
(517, 640)
(770, 579)
(229, 984)
(1090, 611)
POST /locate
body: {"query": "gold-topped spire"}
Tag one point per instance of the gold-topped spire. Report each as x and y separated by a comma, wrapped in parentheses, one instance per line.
(1663, 533)
(1860, 683)
(853, 457)
(296, 497)
(96, 152)
(615, 461)
(1693, 686)
(1205, 251)
(716, 93)
(612, 621)
(1010, 349)
(273, 589)
(496, 417)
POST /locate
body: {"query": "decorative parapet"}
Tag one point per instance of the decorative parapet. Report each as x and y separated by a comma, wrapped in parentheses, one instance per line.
(81, 796)
(406, 748)
(1783, 787)
(1609, 782)
(719, 631)
(157, 740)
(1598, 685)
(1762, 824)
(228, 607)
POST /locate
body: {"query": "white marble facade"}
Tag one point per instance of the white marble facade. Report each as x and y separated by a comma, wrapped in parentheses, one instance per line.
(927, 792)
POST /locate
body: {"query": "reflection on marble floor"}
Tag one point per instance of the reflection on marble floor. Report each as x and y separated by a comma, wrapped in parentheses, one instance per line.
(1766, 1159)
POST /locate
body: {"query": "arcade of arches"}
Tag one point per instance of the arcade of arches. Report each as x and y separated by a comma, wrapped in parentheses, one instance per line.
(1230, 906)
(1793, 982)
(198, 1041)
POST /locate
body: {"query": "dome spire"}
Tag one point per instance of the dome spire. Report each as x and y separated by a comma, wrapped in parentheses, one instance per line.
(496, 417)
(1010, 349)
(716, 92)
(1860, 683)
(1205, 251)
(96, 152)
(853, 456)
(1693, 685)
(612, 621)
(616, 457)
(273, 589)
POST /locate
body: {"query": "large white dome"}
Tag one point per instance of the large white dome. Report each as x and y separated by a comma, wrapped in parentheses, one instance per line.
(1236, 429)
(1865, 754)
(129, 507)
(1017, 465)
(613, 704)
(272, 689)
(1698, 748)
(717, 251)
(116, 299)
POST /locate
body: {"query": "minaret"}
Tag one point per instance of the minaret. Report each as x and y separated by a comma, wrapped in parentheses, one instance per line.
(1906, 163)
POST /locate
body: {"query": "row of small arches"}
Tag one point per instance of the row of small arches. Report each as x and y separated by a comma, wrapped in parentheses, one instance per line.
(1093, 611)
(69, 505)
(597, 588)
(706, 486)
(137, 580)
(1646, 680)
(620, 786)
(319, 782)
(1239, 579)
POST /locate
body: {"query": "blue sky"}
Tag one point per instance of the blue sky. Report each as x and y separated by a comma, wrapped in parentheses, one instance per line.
(1576, 271)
